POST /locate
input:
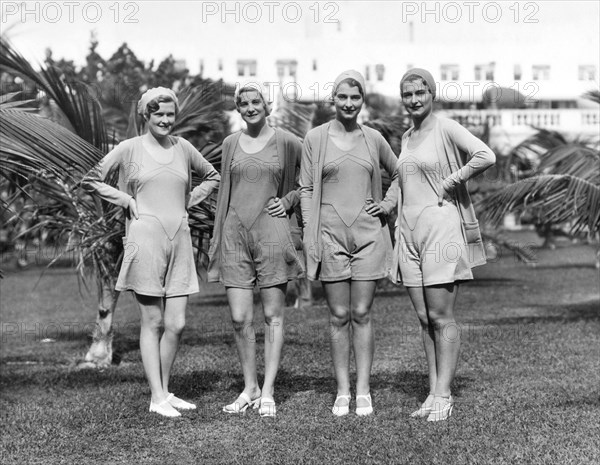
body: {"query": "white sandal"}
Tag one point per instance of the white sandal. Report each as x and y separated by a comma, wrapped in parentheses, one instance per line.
(180, 403)
(341, 410)
(364, 411)
(238, 407)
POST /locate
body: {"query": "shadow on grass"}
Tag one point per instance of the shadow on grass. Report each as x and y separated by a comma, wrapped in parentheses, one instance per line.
(192, 384)
(554, 266)
(582, 311)
(490, 282)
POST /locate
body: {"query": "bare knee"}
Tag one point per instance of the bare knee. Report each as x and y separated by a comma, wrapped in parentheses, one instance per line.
(441, 317)
(274, 320)
(361, 315)
(339, 316)
(423, 319)
(175, 325)
(152, 323)
(240, 324)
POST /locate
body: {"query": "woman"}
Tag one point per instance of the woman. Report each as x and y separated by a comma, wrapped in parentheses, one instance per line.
(347, 241)
(438, 239)
(154, 186)
(252, 243)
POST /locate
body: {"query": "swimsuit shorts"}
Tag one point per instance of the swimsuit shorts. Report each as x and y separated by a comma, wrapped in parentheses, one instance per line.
(432, 246)
(155, 264)
(263, 255)
(357, 252)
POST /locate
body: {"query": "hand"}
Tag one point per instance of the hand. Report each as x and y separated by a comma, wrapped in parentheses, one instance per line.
(276, 209)
(446, 191)
(133, 208)
(374, 209)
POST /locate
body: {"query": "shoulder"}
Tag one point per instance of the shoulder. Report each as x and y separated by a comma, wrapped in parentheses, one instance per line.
(126, 148)
(315, 133)
(374, 135)
(231, 137)
(286, 136)
(448, 124)
(128, 144)
(184, 143)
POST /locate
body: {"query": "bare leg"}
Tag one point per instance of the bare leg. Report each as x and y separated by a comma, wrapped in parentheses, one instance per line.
(174, 321)
(417, 296)
(362, 294)
(440, 306)
(242, 316)
(338, 298)
(151, 318)
(273, 300)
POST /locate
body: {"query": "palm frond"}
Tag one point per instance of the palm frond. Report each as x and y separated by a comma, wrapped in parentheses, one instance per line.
(593, 95)
(12, 100)
(551, 199)
(32, 144)
(197, 108)
(74, 99)
(574, 159)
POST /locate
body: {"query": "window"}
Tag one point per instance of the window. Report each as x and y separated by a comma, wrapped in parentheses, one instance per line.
(287, 68)
(449, 72)
(587, 72)
(379, 71)
(246, 67)
(540, 72)
(518, 73)
(485, 72)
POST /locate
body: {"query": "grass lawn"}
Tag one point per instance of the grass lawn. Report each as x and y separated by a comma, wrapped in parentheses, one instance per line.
(526, 388)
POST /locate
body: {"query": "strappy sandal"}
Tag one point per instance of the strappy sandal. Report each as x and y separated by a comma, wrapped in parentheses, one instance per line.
(364, 411)
(441, 408)
(424, 409)
(238, 407)
(341, 410)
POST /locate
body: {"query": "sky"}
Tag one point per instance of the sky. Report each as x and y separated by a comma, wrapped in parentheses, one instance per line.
(192, 30)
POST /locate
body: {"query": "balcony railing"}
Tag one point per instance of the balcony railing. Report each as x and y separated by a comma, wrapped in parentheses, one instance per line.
(570, 120)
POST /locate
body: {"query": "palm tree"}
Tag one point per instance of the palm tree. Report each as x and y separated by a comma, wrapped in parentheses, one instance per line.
(38, 155)
(564, 189)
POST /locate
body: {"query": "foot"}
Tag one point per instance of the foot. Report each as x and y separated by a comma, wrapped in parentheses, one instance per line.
(364, 405)
(242, 402)
(424, 409)
(341, 406)
(441, 408)
(267, 407)
(180, 403)
(164, 408)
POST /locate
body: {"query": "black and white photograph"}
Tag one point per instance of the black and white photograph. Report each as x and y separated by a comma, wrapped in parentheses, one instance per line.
(300, 232)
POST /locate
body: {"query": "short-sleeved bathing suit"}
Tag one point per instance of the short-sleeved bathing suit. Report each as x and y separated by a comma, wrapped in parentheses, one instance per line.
(352, 240)
(256, 248)
(432, 246)
(158, 257)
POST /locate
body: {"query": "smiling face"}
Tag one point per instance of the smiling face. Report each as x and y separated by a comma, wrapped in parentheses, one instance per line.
(417, 99)
(348, 102)
(160, 122)
(252, 107)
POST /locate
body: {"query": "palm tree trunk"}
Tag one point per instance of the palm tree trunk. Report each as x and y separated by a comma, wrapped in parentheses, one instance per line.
(100, 353)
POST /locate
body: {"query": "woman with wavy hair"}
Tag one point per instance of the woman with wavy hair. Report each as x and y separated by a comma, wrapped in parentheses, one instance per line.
(252, 243)
(155, 177)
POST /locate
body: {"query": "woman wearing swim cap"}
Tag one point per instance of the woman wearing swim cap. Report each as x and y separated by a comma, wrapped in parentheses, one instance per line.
(155, 177)
(347, 241)
(252, 243)
(437, 238)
